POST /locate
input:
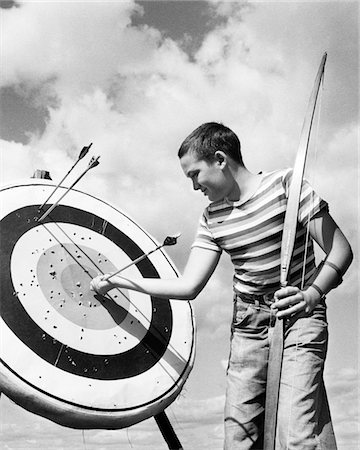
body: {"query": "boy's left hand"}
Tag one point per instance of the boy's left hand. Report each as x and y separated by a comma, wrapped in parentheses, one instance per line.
(291, 300)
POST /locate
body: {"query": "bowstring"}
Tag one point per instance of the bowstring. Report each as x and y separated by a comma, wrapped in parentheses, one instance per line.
(307, 238)
(312, 175)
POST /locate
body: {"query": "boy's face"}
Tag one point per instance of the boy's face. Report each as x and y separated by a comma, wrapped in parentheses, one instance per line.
(205, 176)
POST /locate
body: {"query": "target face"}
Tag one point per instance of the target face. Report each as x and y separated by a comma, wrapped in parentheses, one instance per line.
(77, 358)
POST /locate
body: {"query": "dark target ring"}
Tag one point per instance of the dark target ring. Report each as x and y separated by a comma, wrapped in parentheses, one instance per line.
(127, 364)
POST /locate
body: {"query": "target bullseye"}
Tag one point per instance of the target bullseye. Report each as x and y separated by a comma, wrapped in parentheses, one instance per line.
(66, 285)
(91, 361)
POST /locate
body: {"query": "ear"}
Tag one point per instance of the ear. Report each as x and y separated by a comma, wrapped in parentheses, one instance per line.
(221, 158)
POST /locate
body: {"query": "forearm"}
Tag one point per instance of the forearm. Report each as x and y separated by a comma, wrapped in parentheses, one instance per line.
(175, 288)
(198, 270)
(291, 300)
(334, 266)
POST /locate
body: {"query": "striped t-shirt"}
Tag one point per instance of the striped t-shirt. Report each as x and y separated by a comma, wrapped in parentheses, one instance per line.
(251, 231)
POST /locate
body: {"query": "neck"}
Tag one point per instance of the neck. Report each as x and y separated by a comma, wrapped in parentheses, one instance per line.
(244, 185)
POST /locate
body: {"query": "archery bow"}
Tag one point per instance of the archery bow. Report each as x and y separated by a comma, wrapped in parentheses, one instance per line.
(287, 246)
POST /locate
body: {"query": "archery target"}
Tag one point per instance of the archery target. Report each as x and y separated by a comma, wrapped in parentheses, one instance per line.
(80, 359)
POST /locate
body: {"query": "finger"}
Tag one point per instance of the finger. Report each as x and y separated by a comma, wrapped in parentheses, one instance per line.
(286, 292)
(287, 302)
(105, 277)
(291, 311)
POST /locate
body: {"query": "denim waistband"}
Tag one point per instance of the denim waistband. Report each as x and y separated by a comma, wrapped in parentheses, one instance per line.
(262, 299)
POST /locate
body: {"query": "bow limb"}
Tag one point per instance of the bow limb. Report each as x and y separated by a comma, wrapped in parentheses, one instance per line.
(287, 247)
(292, 209)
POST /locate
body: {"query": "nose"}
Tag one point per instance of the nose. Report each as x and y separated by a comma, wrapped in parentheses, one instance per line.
(196, 185)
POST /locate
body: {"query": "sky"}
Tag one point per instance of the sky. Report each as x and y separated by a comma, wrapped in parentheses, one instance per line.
(135, 78)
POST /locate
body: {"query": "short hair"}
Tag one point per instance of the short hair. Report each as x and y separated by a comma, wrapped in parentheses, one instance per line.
(209, 138)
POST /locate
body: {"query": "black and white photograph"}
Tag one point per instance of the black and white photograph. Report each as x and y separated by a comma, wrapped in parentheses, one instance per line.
(179, 209)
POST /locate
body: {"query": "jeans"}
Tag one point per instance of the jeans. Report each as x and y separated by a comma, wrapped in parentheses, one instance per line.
(303, 420)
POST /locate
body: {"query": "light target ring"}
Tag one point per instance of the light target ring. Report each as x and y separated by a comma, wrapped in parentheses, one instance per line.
(106, 348)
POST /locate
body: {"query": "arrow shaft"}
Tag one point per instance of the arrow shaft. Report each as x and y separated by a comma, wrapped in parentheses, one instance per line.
(136, 261)
(66, 192)
(83, 152)
(59, 184)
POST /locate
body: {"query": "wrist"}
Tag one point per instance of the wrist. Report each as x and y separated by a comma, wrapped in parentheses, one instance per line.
(316, 292)
(312, 296)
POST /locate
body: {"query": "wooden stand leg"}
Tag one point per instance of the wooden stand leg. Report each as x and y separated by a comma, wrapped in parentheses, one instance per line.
(167, 431)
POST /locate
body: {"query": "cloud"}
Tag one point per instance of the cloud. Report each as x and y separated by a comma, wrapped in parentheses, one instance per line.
(343, 388)
(80, 52)
(192, 420)
(214, 306)
(199, 422)
(15, 161)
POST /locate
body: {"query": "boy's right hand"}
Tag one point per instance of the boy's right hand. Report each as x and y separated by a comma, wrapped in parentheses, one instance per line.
(100, 285)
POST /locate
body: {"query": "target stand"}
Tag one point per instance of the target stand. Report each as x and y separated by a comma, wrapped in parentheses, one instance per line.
(79, 359)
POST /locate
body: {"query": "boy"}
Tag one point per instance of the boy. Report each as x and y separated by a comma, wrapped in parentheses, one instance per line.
(245, 218)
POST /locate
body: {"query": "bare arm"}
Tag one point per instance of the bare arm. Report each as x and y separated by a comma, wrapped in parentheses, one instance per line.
(331, 240)
(198, 270)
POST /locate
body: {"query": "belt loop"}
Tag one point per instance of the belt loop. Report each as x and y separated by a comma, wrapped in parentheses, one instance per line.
(257, 304)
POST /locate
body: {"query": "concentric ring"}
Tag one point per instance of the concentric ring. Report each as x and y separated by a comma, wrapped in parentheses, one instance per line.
(111, 367)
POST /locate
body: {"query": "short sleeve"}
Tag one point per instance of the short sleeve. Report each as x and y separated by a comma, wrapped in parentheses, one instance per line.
(310, 202)
(204, 237)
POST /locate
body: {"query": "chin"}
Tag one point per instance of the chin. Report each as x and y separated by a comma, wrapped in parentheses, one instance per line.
(214, 198)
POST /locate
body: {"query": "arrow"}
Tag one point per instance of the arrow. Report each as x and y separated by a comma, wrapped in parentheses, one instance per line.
(169, 240)
(83, 152)
(93, 163)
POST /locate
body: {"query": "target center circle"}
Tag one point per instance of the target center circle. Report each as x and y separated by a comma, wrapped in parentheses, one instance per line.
(75, 281)
(64, 277)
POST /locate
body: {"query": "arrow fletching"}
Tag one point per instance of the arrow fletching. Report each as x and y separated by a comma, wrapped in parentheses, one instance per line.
(94, 161)
(171, 240)
(84, 151)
